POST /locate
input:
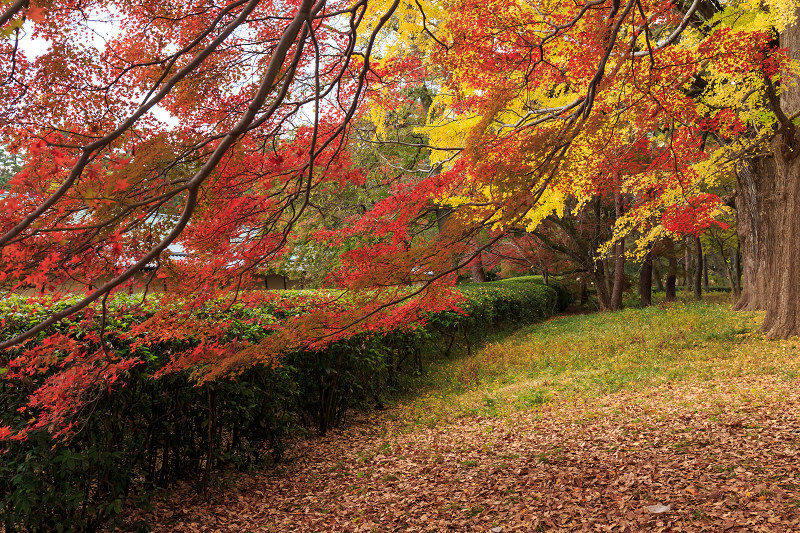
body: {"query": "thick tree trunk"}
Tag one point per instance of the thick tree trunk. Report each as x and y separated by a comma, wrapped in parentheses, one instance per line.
(781, 255)
(768, 210)
(768, 213)
(601, 285)
(646, 281)
(476, 270)
(754, 187)
(698, 275)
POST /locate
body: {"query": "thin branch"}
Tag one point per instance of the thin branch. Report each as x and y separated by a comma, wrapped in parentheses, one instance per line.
(89, 151)
(193, 185)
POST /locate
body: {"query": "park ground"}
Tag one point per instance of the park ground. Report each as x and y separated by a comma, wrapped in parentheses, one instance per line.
(678, 417)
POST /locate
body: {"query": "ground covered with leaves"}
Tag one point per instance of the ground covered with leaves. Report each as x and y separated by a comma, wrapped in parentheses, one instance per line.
(710, 449)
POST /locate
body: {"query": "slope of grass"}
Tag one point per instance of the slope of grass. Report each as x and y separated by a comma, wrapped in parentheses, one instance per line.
(586, 356)
(673, 418)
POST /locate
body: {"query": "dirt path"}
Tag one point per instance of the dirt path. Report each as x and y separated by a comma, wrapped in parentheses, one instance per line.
(722, 456)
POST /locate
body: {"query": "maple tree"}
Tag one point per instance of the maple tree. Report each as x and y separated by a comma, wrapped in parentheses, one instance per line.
(658, 107)
(264, 93)
(536, 105)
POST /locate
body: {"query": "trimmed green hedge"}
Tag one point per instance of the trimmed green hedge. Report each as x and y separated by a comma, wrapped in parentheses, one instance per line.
(150, 432)
(564, 297)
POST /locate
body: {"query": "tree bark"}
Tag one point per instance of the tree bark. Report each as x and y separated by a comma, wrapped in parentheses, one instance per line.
(780, 256)
(601, 284)
(768, 212)
(476, 270)
(698, 275)
(779, 251)
(754, 183)
(646, 281)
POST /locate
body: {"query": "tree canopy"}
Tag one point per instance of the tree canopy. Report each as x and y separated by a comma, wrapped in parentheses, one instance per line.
(234, 129)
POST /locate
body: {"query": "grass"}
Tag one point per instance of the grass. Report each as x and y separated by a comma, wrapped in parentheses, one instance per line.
(586, 356)
(686, 404)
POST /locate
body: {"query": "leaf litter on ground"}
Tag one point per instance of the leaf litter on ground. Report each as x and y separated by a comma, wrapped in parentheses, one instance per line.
(695, 454)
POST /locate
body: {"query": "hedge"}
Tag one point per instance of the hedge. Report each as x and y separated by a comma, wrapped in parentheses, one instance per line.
(151, 433)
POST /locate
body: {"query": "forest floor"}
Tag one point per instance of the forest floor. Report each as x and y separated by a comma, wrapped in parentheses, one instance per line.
(672, 418)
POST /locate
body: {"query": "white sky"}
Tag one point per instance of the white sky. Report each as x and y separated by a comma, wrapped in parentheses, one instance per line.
(103, 28)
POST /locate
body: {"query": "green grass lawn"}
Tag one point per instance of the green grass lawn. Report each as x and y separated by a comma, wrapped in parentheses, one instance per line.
(591, 355)
(583, 421)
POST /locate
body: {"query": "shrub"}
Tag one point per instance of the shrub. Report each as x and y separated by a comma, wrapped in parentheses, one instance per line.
(149, 432)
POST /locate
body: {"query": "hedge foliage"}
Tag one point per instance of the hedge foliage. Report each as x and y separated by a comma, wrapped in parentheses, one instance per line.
(150, 432)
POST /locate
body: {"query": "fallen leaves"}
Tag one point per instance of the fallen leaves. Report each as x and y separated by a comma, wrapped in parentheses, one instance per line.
(696, 457)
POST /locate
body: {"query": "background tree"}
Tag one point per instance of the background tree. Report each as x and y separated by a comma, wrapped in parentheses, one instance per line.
(10, 165)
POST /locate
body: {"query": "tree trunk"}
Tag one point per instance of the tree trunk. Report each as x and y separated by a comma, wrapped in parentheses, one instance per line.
(754, 183)
(441, 213)
(781, 255)
(672, 278)
(646, 281)
(737, 275)
(768, 209)
(619, 274)
(476, 270)
(779, 252)
(619, 260)
(672, 271)
(601, 285)
(768, 213)
(657, 277)
(731, 278)
(584, 290)
(698, 275)
(687, 261)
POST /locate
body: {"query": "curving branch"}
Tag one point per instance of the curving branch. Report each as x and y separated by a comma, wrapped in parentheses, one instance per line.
(277, 61)
(90, 151)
